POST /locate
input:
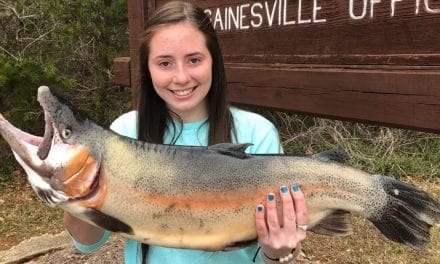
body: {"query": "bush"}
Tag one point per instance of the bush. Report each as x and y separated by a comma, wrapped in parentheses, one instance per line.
(66, 45)
(19, 80)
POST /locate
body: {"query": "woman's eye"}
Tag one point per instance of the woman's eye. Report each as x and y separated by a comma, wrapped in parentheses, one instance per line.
(66, 133)
(165, 64)
(194, 60)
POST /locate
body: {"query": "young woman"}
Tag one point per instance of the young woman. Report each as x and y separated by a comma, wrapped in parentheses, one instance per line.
(183, 102)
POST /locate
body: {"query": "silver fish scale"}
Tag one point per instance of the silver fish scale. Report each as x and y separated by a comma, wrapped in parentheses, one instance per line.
(187, 170)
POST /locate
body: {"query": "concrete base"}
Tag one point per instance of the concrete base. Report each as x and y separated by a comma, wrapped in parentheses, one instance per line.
(34, 247)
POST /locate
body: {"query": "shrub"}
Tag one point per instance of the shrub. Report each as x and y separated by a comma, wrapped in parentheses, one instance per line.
(66, 45)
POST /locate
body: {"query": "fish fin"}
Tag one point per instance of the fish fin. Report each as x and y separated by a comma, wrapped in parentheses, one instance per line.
(337, 155)
(337, 223)
(107, 222)
(408, 214)
(234, 150)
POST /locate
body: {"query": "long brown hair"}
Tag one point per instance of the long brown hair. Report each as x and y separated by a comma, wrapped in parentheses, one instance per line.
(153, 114)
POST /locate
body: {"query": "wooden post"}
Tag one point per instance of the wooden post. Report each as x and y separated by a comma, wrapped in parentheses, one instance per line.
(138, 14)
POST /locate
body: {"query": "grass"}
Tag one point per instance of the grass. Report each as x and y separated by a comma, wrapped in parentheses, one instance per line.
(379, 150)
(411, 156)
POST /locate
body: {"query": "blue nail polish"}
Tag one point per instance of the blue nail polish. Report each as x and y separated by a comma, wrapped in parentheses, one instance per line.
(284, 189)
(295, 188)
(270, 196)
(260, 208)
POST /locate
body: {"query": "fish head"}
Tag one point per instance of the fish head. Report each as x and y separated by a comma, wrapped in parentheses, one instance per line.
(64, 164)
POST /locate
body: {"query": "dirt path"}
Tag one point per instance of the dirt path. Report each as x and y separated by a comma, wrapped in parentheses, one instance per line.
(111, 252)
(366, 246)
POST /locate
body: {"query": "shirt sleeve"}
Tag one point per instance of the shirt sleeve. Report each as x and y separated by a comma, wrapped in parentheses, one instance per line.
(93, 247)
(126, 125)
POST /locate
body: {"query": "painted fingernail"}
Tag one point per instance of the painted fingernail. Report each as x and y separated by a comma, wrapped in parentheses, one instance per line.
(284, 189)
(295, 188)
(259, 208)
(270, 196)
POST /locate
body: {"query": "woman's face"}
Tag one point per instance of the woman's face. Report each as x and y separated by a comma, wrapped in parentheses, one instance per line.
(181, 69)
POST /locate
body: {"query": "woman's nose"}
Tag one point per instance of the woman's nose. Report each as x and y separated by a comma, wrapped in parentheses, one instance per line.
(181, 75)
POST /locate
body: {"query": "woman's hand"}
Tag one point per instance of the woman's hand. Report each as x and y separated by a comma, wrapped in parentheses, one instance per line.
(280, 237)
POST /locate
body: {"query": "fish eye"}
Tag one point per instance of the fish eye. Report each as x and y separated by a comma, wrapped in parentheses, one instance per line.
(66, 133)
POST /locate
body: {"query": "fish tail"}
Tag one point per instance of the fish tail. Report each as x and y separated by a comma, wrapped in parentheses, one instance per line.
(408, 214)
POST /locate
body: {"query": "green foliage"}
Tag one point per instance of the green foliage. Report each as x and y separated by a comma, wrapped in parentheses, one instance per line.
(18, 89)
(66, 45)
(19, 80)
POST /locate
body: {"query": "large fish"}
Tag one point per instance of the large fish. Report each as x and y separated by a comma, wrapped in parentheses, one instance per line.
(200, 197)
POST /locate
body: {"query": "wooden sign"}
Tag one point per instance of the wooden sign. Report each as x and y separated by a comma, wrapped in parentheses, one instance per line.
(375, 61)
(365, 32)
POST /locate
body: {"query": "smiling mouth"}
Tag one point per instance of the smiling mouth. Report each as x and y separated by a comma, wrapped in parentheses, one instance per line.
(184, 92)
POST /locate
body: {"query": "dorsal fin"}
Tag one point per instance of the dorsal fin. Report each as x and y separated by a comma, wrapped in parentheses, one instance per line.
(337, 223)
(337, 155)
(234, 150)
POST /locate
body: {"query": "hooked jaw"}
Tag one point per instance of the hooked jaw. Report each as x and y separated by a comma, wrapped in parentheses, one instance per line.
(25, 147)
(57, 171)
(31, 149)
(22, 144)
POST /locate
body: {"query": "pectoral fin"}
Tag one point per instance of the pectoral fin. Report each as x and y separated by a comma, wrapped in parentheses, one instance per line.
(108, 222)
(243, 244)
(338, 223)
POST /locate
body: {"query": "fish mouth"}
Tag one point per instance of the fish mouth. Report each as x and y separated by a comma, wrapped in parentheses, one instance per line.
(25, 147)
(23, 144)
(57, 171)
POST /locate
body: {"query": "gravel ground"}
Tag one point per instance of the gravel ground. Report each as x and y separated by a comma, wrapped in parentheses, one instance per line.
(111, 252)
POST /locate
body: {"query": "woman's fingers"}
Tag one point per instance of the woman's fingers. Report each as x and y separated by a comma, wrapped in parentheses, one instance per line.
(293, 225)
(289, 219)
(272, 216)
(263, 233)
(300, 209)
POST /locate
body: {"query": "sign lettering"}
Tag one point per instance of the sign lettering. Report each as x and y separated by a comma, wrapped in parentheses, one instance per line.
(298, 12)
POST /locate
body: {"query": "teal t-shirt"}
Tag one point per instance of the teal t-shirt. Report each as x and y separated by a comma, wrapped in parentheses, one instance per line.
(250, 128)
